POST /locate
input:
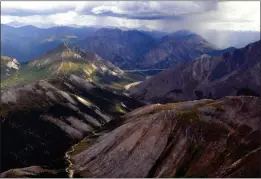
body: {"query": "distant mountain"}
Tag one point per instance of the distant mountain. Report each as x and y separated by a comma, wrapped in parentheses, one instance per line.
(66, 60)
(119, 47)
(156, 34)
(231, 38)
(27, 42)
(181, 33)
(127, 49)
(16, 24)
(173, 48)
(232, 73)
(39, 25)
(139, 49)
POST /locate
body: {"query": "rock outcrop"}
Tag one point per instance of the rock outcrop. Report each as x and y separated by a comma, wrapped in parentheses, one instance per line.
(8, 67)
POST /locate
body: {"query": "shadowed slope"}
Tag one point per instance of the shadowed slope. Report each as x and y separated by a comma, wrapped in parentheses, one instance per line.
(41, 120)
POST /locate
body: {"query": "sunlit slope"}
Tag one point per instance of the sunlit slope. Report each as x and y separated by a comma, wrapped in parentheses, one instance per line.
(65, 60)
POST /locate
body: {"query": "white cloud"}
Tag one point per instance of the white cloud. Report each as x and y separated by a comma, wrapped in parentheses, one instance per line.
(36, 5)
(196, 16)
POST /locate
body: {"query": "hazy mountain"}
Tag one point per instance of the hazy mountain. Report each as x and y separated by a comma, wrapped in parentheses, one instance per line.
(119, 47)
(16, 24)
(39, 25)
(179, 46)
(233, 73)
(27, 42)
(230, 38)
(156, 34)
(127, 49)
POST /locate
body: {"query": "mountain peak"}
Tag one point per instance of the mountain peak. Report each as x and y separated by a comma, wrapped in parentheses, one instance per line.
(181, 33)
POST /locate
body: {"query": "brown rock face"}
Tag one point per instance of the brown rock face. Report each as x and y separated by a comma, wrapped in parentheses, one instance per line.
(203, 138)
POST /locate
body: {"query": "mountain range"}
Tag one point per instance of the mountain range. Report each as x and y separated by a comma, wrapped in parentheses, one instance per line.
(28, 42)
(232, 73)
(127, 49)
(179, 46)
(119, 47)
(103, 102)
(61, 96)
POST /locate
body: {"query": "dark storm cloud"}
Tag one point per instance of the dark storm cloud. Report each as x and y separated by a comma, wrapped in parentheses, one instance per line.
(149, 10)
(138, 16)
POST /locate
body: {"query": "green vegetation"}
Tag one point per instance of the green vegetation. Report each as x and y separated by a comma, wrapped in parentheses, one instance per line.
(120, 109)
(23, 77)
(70, 62)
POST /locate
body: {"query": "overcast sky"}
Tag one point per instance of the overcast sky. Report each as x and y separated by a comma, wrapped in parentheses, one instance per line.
(160, 15)
(197, 16)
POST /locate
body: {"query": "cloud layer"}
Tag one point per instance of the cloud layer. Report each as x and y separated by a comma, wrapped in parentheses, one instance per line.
(156, 15)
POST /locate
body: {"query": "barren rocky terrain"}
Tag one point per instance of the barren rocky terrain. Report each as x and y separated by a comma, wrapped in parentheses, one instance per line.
(204, 138)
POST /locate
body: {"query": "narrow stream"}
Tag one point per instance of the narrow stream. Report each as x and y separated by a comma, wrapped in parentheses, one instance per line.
(69, 170)
(95, 134)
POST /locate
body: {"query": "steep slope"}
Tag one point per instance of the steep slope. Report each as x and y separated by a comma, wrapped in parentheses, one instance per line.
(204, 138)
(41, 120)
(8, 67)
(66, 59)
(173, 48)
(233, 73)
(119, 47)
